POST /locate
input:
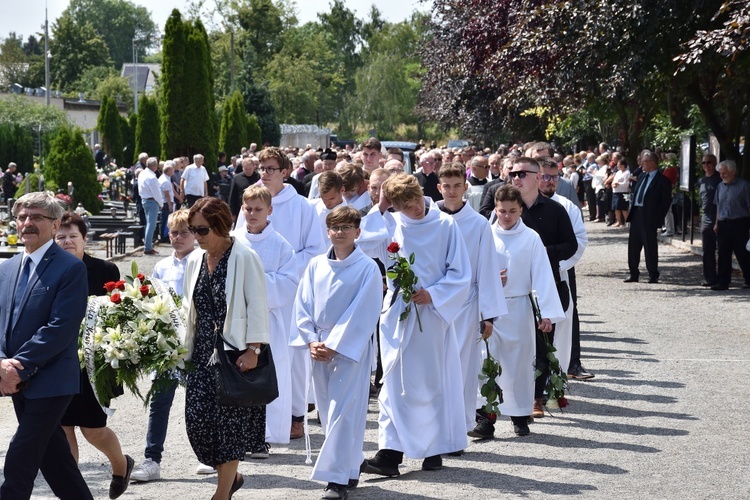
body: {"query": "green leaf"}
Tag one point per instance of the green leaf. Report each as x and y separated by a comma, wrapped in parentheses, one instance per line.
(411, 258)
(134, 269)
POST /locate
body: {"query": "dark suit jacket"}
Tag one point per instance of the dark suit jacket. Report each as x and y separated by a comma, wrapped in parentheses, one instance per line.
(656, 200)
(44, 338)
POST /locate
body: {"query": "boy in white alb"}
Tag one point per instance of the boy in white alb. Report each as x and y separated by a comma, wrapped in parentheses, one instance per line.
(336, 312)
(421, 401)
(486, 300)
(282, 279)
(297, 222)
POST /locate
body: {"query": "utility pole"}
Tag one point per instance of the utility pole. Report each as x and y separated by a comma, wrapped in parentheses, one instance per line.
(46, 55)
(135, 76)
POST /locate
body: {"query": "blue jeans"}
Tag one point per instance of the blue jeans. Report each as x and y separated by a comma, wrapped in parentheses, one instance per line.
(151, 209)
(164, 230)
(158, 420)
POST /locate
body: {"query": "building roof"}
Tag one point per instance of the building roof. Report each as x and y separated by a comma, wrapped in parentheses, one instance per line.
(146, 75)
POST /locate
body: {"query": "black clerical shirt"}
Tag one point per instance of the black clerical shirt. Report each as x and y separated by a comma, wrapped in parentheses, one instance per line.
(551, 221)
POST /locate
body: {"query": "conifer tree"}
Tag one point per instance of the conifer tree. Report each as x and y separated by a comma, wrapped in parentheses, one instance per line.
(148, 127)
(108, 125)
(70, 160)
(253, 131)
(173, 112)
(233, 134)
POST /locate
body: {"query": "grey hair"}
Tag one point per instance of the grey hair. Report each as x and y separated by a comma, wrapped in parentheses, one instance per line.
(730, 166)
(650, 154)
(152, 161)
(197, 157)
(41, 199)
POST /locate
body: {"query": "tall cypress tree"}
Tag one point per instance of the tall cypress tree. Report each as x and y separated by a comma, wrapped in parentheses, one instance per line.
(128, 140)
(173, 103)
(70, 160)
(188, 119)
(233, 125)
(254, 133)
(108, 125)
(147, 128)
(132, 157)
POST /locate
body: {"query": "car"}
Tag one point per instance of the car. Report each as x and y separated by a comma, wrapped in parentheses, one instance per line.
(458, 143)
(408, 148)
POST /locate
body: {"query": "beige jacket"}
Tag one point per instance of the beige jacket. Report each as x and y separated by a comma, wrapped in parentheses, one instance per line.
(247, 314)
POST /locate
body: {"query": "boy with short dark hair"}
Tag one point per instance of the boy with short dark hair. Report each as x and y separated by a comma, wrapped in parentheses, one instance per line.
(336, 324)
(486, 300)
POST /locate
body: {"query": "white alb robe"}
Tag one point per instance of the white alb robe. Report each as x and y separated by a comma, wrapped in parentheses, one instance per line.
(564, 329)
(474, 196)
(322, 212)
(485, 300)
(282, 279)
(421, 401)
(338, 303)
(513, 342)
(296, 221)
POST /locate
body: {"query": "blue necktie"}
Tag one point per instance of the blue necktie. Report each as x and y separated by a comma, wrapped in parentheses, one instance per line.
(642, 192)
(23, 281)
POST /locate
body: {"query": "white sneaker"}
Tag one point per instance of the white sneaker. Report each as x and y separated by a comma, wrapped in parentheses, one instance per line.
(147, 471)
(205, 469)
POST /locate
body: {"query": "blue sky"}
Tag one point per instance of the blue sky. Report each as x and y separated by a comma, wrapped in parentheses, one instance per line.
(27, 16)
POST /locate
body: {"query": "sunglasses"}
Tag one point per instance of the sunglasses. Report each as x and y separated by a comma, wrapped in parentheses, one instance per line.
(521, 174)
(201, 231)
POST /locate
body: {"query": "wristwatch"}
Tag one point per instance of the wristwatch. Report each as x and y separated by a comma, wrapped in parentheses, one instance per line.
(256, 350)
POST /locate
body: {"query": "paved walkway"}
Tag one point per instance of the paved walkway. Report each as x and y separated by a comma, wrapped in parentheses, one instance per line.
(666, 416)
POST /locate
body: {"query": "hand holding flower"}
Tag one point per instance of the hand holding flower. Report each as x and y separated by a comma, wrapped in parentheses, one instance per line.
(421, 297)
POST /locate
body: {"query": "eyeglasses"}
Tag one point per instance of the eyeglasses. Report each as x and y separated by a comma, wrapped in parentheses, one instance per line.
(181, 234)
(34, 218)
(270, 170)
(201, 231)
(343, 229)
(548, 177)
(521, 174)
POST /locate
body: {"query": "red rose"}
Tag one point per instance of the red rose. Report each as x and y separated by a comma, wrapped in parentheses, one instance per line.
(393, 247)
(109, 286)
(144, 290)
(120, 285)
(115, 298)
(562, 402)
(141, 277)
(492, 416)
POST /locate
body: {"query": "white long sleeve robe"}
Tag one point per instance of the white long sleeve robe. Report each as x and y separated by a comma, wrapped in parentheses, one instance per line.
(564, 329)
(338, 303)
(421, 401)
(485, 300)
(513, 342)
(282, 279)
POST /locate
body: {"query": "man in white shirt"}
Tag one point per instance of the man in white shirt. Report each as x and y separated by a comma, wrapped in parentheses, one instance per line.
(152, 200)
(194, 182)
(167, 191)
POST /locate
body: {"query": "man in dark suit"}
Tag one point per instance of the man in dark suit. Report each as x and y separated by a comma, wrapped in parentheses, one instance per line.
(651, 199)
(43, 292)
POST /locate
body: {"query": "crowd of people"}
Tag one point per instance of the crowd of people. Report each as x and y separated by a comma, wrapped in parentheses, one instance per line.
(314, 254)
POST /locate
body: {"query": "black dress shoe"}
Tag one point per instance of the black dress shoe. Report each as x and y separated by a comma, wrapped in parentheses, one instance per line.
(483, 430)
(653, 280)
(708, 283)
(458, 453)
(719, 286)
(384, 463)
(239, 480)
(631, 280)
(434, 462)
(334, 491)
(119, 483)
(578, 372)
(521, 426)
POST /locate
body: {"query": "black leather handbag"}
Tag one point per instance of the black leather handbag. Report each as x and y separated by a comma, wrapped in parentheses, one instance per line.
(256, 387)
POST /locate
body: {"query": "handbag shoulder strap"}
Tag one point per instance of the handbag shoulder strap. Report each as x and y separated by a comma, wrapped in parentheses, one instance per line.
(218, 333)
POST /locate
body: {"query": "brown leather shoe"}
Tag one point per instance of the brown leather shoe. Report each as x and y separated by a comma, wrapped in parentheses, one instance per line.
(298, 430)
(538, 411)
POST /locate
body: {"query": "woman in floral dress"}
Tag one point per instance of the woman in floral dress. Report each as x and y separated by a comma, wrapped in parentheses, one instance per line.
(225, 291)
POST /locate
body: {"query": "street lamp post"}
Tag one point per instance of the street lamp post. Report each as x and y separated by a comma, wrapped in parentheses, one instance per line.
(135, 75)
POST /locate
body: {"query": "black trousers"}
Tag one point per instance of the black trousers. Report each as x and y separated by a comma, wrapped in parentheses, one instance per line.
(40, 444)
(732, 237)
(575, 350)
(542, 363)
(709, 254)
(190, 199)
(643, 237)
